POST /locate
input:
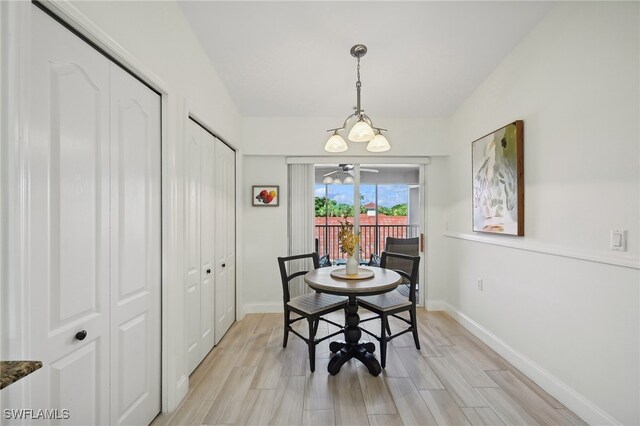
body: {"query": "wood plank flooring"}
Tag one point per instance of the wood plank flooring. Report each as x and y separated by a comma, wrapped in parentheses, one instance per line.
(249, 379)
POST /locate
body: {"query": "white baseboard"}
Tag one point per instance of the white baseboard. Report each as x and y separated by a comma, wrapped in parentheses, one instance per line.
(435, 305)
(571, 399)
(263, 308)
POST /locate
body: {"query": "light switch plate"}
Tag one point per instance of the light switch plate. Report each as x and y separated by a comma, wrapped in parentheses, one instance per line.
(618, 240)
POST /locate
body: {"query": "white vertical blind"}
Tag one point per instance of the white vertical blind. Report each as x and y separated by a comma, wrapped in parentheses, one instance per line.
(301, 221)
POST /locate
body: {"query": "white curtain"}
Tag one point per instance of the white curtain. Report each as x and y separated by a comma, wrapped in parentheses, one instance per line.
(301, 221)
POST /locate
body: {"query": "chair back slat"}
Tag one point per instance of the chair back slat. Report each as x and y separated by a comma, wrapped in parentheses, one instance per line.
(295, 275)
(411, 263)
(409, 246)
(286, 278)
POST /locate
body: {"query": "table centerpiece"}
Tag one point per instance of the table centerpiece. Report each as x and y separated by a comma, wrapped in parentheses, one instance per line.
(349, 240)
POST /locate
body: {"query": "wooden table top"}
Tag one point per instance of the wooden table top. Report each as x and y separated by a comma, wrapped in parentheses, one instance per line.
(383, 280)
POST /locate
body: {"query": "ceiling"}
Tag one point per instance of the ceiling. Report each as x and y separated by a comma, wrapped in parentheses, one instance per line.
(291, 59)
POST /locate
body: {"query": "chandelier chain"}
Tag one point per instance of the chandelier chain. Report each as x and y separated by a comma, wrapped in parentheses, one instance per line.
(358, 85)
(362, 130)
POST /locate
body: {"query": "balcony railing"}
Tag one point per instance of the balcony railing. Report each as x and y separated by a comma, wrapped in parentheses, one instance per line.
(372, 238)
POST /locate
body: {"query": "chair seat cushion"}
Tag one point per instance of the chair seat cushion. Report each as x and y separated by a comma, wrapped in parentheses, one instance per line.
(313, 303)
(384, 302)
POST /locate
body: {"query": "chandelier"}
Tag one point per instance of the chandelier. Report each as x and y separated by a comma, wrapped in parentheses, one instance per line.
(362, 130)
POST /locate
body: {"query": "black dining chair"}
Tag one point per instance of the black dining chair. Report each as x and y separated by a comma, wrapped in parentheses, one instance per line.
(325, 261)
(392, 303)
(311, 306)
(409, 246)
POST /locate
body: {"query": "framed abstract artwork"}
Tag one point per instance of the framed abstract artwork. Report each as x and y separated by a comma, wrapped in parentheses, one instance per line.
(497, 170)
(265, 196)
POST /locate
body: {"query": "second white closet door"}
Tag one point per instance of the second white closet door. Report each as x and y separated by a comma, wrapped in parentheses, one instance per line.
(207, 197)
(192, 248)
(199, 284)
(225, 294)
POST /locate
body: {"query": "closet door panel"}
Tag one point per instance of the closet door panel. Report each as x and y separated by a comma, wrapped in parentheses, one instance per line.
(64, 375)
(225, 239)
(135, 250)
(207, 197)
(192, 246)
(66, 165)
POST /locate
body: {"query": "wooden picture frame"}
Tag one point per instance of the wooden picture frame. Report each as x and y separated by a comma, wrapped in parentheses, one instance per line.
(265, 195)
(497, 175)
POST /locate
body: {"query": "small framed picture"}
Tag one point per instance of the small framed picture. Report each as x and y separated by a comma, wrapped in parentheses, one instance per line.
(265, 196)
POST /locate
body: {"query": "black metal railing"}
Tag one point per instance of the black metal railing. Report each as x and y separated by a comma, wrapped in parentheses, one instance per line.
(372, 238)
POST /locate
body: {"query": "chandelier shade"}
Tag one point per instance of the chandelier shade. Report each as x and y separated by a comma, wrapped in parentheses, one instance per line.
(336, 144)
(363, 130)
(378, 144)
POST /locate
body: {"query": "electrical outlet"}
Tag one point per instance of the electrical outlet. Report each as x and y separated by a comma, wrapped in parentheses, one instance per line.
(479, 283)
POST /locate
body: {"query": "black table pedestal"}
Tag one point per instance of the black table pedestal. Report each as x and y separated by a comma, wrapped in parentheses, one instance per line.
(352, 348)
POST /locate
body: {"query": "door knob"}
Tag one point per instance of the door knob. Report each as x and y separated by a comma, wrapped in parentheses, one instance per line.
(80, 335)
(208, 271)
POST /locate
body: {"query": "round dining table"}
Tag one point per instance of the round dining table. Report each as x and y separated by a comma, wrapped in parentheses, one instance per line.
(382, 281)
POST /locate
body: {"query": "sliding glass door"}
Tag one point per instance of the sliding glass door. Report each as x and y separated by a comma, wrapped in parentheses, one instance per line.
(389, 200)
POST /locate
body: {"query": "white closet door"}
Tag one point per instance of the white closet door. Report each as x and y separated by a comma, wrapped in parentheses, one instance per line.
(225, 293)
(135, 250)
(192, 247)
(66, 167)
(200, 244)
(207, 202)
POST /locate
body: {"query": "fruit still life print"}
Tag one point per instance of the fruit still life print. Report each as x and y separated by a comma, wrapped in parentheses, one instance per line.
(265, 195)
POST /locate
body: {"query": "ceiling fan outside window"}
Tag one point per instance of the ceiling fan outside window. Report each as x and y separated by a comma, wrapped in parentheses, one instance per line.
(346, 169)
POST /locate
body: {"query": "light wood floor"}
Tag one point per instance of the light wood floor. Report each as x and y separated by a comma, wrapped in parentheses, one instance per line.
(454, 380)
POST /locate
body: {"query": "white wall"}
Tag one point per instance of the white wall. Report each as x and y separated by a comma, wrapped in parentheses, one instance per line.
(158, 36)
(265, 236)
(572, 324)
(437, 256)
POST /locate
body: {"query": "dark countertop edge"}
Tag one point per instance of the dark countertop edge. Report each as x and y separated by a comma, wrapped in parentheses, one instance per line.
(12, 371)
